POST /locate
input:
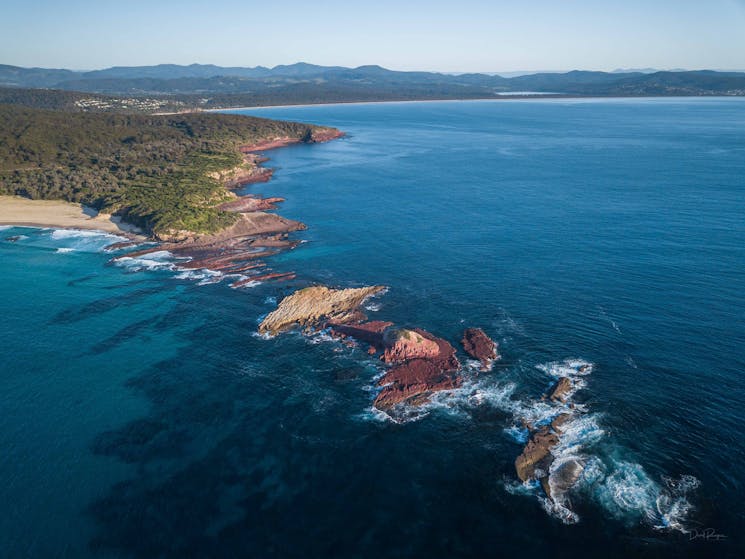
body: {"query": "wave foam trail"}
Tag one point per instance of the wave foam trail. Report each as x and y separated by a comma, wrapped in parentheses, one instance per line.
(628, 493)
(159, 260)
(202, 277)
(580, 467)
(567, 368)
(84, 240)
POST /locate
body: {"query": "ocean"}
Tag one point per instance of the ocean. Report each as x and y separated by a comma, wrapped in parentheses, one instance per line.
(142, 416)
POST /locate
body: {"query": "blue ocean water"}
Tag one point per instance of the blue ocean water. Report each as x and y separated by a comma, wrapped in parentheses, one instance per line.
(141, 416)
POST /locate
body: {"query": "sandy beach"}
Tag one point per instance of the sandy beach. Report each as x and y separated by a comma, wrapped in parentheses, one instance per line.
(15, 210)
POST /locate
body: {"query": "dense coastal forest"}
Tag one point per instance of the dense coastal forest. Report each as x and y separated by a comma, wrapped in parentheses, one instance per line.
(152, 170)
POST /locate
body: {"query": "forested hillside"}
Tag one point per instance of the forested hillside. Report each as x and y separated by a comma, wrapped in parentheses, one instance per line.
(152, 170)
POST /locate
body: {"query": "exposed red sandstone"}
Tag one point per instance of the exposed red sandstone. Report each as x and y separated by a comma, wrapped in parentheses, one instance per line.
(404, 344)
(414, 381)
(369, 332)
(317, 136)
(279, 276)
(110, 248)
(250, 203)
(480, 346)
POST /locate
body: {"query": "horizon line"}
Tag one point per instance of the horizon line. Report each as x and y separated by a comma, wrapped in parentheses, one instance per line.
(646, 69)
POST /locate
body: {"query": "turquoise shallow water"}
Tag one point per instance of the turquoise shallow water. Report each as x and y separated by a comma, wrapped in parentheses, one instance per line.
(142, 418)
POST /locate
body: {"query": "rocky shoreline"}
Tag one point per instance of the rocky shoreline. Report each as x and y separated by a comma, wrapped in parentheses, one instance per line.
(256, 234)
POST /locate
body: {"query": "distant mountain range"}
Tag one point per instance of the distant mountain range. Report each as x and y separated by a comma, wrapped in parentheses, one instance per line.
(211, 86)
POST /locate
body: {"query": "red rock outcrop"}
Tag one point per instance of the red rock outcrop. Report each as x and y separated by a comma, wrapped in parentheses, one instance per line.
(251, 204)
(404, 344)
(317, 136)
(320, 135)
(279, 276)
(414, 381)
(370, 332)
(480, 346)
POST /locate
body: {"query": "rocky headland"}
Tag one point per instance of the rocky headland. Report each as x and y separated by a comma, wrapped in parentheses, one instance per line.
(240, 248)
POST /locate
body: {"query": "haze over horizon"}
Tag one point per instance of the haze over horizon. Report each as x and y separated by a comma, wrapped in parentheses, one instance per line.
(493, 37)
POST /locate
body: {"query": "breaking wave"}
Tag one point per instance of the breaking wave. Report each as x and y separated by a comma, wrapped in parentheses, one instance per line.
(629, 494)
(84, 240)
(620, 487)
(159, 260)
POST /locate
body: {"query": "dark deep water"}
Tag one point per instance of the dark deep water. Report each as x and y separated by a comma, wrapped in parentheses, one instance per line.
(142, 418)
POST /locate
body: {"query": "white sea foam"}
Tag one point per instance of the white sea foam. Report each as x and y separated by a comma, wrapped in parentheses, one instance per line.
(202, 276)
(4, 227)
(629, 494)
(320, 337)
(559, 508)
(247, 285)
(374, 414)
(567, 368)
(82, 240)
(516, 487)
(271, 300)
(159, 260)
(623, 488)
(264, 336)
(65, 250)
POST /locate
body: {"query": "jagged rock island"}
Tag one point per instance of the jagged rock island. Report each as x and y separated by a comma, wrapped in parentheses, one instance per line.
(538, 460)
(420, 364)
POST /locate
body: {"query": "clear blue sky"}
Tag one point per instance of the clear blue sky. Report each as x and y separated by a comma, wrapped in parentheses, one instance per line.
(462, 35)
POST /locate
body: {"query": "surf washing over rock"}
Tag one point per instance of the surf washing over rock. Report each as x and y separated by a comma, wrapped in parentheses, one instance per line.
(419, 364)
(562, 460)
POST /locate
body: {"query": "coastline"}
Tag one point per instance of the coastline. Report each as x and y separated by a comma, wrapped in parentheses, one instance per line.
(391, 102)
(548, 97)
(23, 212)
(253, 227)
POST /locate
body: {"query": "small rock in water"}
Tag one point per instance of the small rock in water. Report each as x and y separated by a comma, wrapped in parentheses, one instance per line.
(560, 390)
(480, 346)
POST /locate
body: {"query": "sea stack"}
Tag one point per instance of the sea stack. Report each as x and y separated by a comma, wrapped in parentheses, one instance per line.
(480, 346)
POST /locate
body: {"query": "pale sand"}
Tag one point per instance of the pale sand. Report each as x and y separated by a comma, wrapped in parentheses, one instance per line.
(15, 210)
